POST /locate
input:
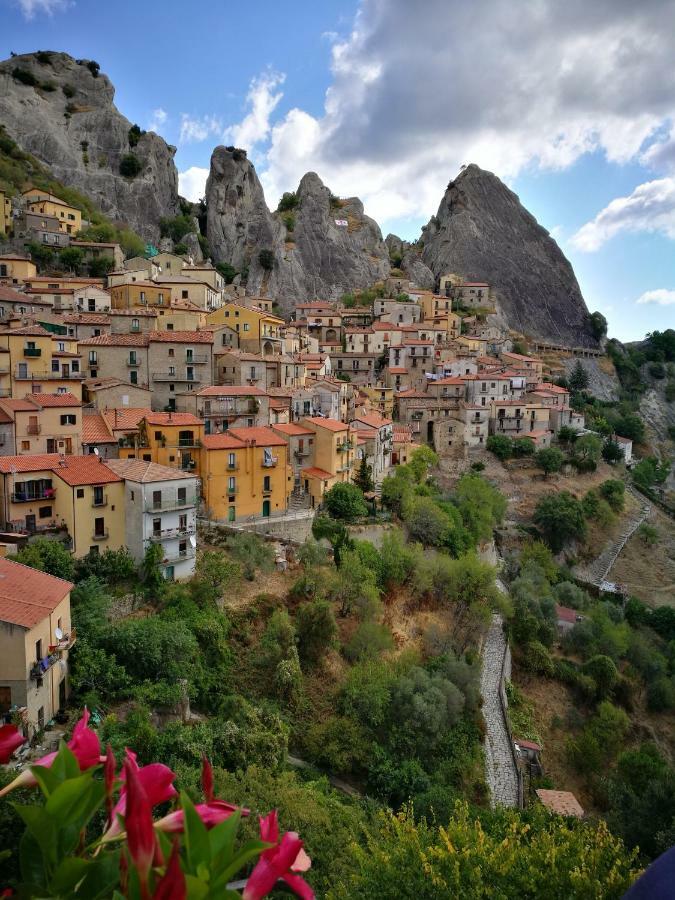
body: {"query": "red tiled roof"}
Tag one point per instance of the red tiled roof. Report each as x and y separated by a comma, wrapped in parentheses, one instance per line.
(86, 319)
(145, 472)
(125, 418)
(30, 331)
(566, 614)
(292, 429)
(228, 390)
(172, 418)
(449, 380)
(328, 424)
(562, 803)
(398, 370)
(11, 295)
(34, 463)
(181, 337)
(224, 441)
(84, 470)
(116, 340)
(95, 430)
(529, 745)
(27, 596)
(50, 400)
(373, 419)
(411, 392)
(552, 388)
(16, 405)
(314, 472)
(261, 436)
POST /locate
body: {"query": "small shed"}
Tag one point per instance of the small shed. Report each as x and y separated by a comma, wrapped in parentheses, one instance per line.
(560, 803)
(566, 618)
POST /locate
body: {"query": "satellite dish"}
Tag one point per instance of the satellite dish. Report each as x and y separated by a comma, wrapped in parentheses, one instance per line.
(193, 540)
(59, 633)
(96, 453)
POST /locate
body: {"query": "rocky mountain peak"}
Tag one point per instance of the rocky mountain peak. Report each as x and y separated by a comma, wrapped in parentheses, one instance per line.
(61, 110)
(483, 233)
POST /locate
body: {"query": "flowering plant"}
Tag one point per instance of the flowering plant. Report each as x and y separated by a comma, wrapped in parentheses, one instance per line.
(192, 852)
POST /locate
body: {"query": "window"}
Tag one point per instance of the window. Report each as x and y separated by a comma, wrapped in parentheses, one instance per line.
(60, 346)
(55, 365)
(133, 377)
(182, 548)
(182, 496)
(158, 435)
(25, 445)
(247, 327)
(135, 323)
(157, 499)
(231, 460)
(190, 373)
(172, 371)
(38, 650)
(45, 512)
(132, 496)
(231, 484)
(156, 526)
(184, 295)
(267, 483)
(80, 493)
(93, 358)
(132, 358)
(98, 495)
(172, 352)
(69, 419)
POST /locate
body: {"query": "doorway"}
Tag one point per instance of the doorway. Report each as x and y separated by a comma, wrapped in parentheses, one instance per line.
(267, 507)
(430, 432)
(62, 693)
(31, 523)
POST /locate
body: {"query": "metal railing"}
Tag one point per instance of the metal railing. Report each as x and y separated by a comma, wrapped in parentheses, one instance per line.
(101, 535)
(167, 534)
(180, 555)
(167, 503)
(28, 497)
(32, 351)
(100, 501)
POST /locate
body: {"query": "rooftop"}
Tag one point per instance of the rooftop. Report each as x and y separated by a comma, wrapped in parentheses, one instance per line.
(51, 400)
(95, 430)
(260, 437)
(374, 420)
(328, 424)
(27, 595)
(226, 390)
(314, 472)
(562, 803)
(292, 429)
(172, 418)
(145, 472)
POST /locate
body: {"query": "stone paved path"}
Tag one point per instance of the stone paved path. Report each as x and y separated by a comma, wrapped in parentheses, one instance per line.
(500, 770)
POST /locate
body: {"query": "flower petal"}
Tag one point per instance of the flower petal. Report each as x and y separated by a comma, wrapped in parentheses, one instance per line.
(172, 884)
(10, 739)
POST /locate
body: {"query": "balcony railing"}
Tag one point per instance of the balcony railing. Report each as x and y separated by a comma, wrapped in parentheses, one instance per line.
(133, 362)
(345, 445)
(198, 358)
(34, 429)
(42, 666)
(167, 376)
(270, 461)
(187, 465)
(29, 497)
(231, 491)
(180, 555)
(101, 535)
(188, 442)
(32, 351)
(65, 643)
(166, 534)
(302, 451)
(100, 501)
(19, 375)
(168, 503)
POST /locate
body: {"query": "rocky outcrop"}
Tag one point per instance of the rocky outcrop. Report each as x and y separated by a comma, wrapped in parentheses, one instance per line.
(408, 258)
(483, 233)
(68, 121)
(304, 253)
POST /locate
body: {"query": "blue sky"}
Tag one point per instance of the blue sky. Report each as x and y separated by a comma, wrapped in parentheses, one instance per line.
(572, 104)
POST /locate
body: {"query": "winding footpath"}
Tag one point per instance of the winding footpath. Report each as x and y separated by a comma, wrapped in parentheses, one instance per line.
(500, 771)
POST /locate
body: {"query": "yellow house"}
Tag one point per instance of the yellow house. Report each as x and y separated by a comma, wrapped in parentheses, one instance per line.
(16, 269)
(245, 472)
(6, 225)
(45, 423)
(35, 637)
(77, 493)
(381, 398)
(334, 455)
(139, 293)
(258, 331)
(169, 439)
(40, 363)
(473, 344)
(69, 218)
(181, 316)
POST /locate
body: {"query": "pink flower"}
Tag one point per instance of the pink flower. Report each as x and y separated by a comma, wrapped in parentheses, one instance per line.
(84, 744)
(10, 739)
(141, 839)
(280, 861)
(211, 814)
(172, 884)
(156, 781)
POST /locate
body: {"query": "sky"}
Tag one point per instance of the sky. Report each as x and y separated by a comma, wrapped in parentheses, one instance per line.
(571, 103)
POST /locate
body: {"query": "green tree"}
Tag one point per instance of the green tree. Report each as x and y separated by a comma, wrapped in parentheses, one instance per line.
(481, 505)
(603, 672)
(100, 266)
(266, 259)
(345, 501)
(316, 630)
(213, 573)
(578, 378)
(151, 570)
(611, 452)
(422, 460)
(355, 587)
(130, 165)
(49, 556)
(364, 477)
(426, 521)
(252, 553)
(368, 641)
(631, 426)
(227, 271)
(588, 447)
(560, 519)
(71, 258)
(614, 492)
(288, 202)
(550, 459)
(598, 325)
(500, 445)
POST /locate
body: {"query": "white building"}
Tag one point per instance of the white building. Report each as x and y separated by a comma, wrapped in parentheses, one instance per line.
(379, 436)
(161, 507)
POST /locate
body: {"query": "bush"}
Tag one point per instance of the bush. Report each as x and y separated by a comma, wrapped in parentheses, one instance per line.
(227, 271)
(661, 695)
(560, 518)
(24, 77)
(266, 259)
(252, 553)
(603, 672)
(130, 165)
(537, 659)
(176, 228)
(93, 67)
(288, 202)
(614, 492)
(522, 447)
(48, 556)
(68, 90)
(500, 445)
(100, 266)
(316, 630)
(345, 501)
(649, 534)
(550, 459)
(71, 258)
(368, 641)
(135, 134)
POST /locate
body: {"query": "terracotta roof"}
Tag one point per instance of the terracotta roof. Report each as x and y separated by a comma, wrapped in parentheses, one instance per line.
(565, 614)
(17, 405)
(34, 463)
(173, 418)
(11, 295)
(125, 418)
(328, 424)
(622, 440)
(375, 420)
(231, 390)
(95, 430)
(261, 437)
(152, 284)
(519, 356)
(529, 745)
(84, 470)
(4, 418)
(50, 400)
(116, 340)
(291, 429)
(134, 313)
(450, 380)
(182, 337)
(144, 472)
(87, 319)
(27, 596)
(31, 331)
(562, 803)
(314, 472)
(278, 403)
(411, 392)
(551, 388)
(398, 370)
(224, 441)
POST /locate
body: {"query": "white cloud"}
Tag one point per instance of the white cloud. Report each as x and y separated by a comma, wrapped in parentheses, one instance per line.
(32, 8)
(661, 154)
(262, 98)
(660, 296)
(158, 119)
(195, 129)
(191, 183)
(414, 96)
(650, 208)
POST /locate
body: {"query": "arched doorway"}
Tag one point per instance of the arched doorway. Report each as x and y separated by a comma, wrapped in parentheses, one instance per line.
(331, 336)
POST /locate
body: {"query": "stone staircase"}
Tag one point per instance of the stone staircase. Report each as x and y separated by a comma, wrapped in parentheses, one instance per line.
(298, 500)
(599, 570)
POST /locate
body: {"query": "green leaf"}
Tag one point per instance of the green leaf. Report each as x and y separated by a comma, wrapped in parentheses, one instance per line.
(47, 779)
(44, 830)
(69, 872)
(32, 864)
(103, 875)
(196, 835)
(222, 839)
(249, 851)
(196, 889)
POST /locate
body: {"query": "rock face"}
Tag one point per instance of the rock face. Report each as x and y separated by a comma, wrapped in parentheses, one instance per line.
(411, 261)
(483, 233)
(309, 254)
(70, 123)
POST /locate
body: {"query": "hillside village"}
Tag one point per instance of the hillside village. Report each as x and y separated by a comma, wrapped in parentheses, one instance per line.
(376, 553)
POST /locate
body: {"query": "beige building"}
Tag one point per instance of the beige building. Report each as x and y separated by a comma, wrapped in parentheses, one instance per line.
(45, 423)
(198, 292)
(35, 637)
(38, 201)
(16, 269)
(223, 407)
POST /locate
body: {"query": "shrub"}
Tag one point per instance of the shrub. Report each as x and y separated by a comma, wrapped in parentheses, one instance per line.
(130, 165)
(68, 90)
(316, 630)
(100, 266)
(649, 534)
(500, 445)
(661, 695)
(252, 553)
(93, 67)
(48, 556)
(135, 134)
(550, 459)
(537, 659)
(71, 258)
(522, 447)
(345, 501)
(227, 271)
(611, 452)
(657, 370)
(614, 492)
(266, 259)
(560, 518)
(603, 672)
(288, 202)
(598, 325)
(176, 228)
(368, 641)
(24, 77)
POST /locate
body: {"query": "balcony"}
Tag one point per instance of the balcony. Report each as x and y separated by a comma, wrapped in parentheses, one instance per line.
(42, 666)
(188, 465)
(232, 467)
(167, 534)
(31, 497)
(32, 351)
(270, 461)
(180, 556)
(101, 535)
(302, 451)
(188, 442)
(344, 446)
(98, 502)
(34, 429)
(197, 359)
(167, 376)
(65, 643)
(168, 503)
(231, 491)
(133, 363)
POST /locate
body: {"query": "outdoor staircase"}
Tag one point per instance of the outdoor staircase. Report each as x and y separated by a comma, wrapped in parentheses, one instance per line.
(599, 570)
(298, 500)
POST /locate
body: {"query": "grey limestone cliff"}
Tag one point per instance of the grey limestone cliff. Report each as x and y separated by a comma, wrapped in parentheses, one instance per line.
(68, 121)
(483, 233)
(322, 248)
